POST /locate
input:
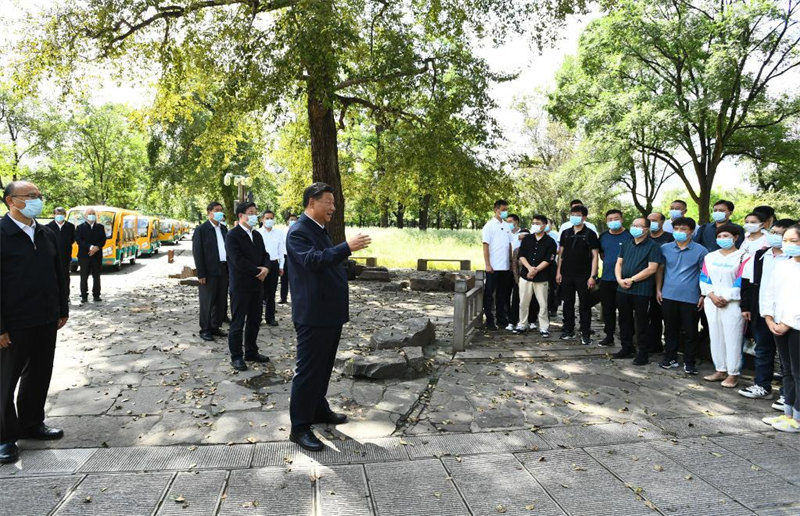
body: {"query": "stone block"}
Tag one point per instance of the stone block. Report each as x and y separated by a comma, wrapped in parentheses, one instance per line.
(385, 363)
(22, 496)
(428, 283)
(375, 274)
(343, 491)
(275, 490)
(195, 492)
(416, 487)
(418, 331)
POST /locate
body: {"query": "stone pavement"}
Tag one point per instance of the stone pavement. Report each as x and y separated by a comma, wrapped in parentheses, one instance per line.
(157, 422)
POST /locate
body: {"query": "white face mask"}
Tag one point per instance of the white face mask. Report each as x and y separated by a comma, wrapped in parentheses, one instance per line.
(269, 223)
(536, 228)
(752, 227)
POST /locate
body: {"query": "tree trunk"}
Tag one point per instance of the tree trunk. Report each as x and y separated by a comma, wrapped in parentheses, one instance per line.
(400, 215)
(703, 204)
(424, 207)
(438, 220)
(325, 156)
(384, 213)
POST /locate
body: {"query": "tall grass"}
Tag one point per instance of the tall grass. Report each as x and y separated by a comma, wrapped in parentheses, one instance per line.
(399, 248)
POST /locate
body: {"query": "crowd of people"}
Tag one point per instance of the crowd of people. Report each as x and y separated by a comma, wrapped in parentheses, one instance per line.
(666, 282)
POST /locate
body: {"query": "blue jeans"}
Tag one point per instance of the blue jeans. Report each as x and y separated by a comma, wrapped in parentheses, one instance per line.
(765, 353)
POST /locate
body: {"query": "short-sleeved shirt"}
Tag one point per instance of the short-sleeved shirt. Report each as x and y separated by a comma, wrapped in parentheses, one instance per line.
(635, 259)
(535, 251)
(682, 271)
(515, 241)
(498, 236)
(576, 254)
(663, 238)
(610, 244)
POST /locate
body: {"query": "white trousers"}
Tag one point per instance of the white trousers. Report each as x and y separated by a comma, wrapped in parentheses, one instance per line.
(726, 333)
(527, 289)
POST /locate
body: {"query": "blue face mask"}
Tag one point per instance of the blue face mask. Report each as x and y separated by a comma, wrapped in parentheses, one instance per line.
(219, 216)
(614, 225)
(504, 214)
(575, 220)
(775, 240)
(510, 226)
(252, 220)
(33, 207)
(291, 223)
(725, 243)
(680, 236)
(791, 250)
(59, 218)
(636, 232)
(91, 218)
(718, 216)
(547, 228)
(674, 214)
(269, 223)
(654, 227)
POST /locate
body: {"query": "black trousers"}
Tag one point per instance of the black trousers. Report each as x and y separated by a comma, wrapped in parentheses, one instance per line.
(571, 285)
(66, 265)
(90, 265)
(513, 314)
(214, 300)
(553, 294)
(789, 349)
(608, 300)
(633, 322)
(28, 361)
(285, 280)
(270, 287)
(680, 318)
(497, 292)
(245, 322)
(655, 327)
(316, 353)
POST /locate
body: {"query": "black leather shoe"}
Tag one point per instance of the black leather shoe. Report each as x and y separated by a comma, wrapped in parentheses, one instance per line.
(238, 364)
(282, 302)
(623, 353)
(272, 323)
(206, 336)
(219, 333)
(608, 341)
(84, 300)
(9, 452)
(43, 433)
(258, 357)
(307, 440)
(97, 299)
(332, 418)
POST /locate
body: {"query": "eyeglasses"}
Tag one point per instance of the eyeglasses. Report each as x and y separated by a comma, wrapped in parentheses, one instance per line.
(30, 197)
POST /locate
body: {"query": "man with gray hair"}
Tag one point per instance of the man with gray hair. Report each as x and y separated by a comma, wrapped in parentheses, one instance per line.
(90, 237)
(65, 236)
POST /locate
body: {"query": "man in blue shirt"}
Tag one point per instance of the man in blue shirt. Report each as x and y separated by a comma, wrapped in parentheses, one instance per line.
(720, 216)
(678, 291)
(610, 243)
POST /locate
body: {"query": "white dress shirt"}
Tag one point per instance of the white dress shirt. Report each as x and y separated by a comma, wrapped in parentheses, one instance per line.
(223, 257)
(247, 230)
(274, 243)
(28, 230)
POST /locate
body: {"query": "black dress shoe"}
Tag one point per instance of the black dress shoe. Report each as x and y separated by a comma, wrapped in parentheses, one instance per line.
(332, 418)
(307, 440)
(238, 364)
(219, 333)
(258, 357)
(272, 323)
(96, 299)
(9, 452)
(608, 341)
(282, 302)
(43, 433)
(84, 300)
(206, 336)
(623, 353)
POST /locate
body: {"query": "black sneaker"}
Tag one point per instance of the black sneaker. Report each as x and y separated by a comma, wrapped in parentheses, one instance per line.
(567, 335)
(623, 353)
(491, 327)
(669, 364)
(689, 369)
(608, 341)
(544, 334)
(586, 341)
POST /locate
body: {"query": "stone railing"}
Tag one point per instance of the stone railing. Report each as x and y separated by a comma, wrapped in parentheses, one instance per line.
(467, 310)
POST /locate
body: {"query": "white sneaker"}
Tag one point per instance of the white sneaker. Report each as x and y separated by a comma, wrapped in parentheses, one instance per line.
(778, 405)
(789, 425)
(532, 326)
(771, 420)
(510, 327)
(755, 391)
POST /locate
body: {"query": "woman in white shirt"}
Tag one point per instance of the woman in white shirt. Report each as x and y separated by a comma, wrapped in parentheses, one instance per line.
(720, 283)
(781, 310)
(756, 235)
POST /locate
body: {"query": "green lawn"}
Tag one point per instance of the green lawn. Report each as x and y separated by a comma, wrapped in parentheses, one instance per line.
(399, 248)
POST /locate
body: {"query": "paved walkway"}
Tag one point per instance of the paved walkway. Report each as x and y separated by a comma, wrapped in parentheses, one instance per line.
(157, 423)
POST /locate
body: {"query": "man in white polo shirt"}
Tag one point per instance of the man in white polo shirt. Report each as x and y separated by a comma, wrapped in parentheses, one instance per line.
(497, 261)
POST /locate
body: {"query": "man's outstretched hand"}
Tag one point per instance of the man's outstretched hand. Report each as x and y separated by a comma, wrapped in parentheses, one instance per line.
(359, 242)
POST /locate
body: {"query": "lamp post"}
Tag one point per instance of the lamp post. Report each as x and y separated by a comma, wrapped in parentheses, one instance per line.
(241, 182)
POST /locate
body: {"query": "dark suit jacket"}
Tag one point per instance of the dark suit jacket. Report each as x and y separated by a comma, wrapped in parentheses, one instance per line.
(87, 236)
(317, 275)
(33, 287)
(244, 258)
(205, 251)
(65, 236)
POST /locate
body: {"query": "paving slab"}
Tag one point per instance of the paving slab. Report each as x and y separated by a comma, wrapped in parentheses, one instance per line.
(413, 488)
(149, 458)
(33, 496)
(765, 451)
(336, 452)
(343, 491)
(47, 462)
(196, 493)
(581, 435)
(467, 444)
(270, 491)
(711, 425)
(124, 494)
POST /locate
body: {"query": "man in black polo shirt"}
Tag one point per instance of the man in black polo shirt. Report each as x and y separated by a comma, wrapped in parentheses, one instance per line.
(578, 255)
(637, 263)
(655, 318)
(537, 252)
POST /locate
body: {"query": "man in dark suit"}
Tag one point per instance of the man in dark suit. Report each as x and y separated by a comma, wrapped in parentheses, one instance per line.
(90, 237)
(208, 249)
(290, 221)
(65, 236)
(247, 269)
(33, 307)
(320, 307)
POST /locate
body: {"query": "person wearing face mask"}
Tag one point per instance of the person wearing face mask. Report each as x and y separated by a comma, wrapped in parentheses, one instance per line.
(248, 266)
(33, 307)
(65, 235)
(569, 224)
(516, 236)
(290, 221)
(611, 242)
(211, 263)
(536, 256)
(90, 237)
(756, 238)
(757, 278)
(274, 242)
(677, 209)
(496, 238)
(553, 297)
(768, 212)
(656, 221)
(720, 216)
(782, 313)
(655, 323)
(720, 282)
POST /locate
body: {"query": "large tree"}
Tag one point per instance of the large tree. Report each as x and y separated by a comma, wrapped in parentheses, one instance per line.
(705, 80)
(253, 54)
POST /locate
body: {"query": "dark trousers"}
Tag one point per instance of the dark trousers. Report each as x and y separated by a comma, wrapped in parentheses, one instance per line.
(90, 265)
(285, 280)
(608, 301)
(28, 361)
(214, 301)
(789, 350)
(570, 285)
(513, 314)
(270, 287)
(655, 327)
(497, 292)
(66, 272)
(553, 295)
(633, 321)
(765, 353)
(316, 353)
(245, 319)
(680, 318)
